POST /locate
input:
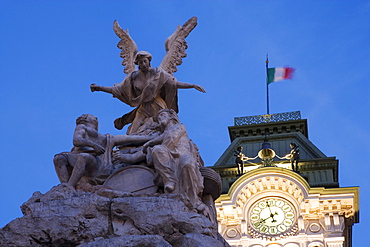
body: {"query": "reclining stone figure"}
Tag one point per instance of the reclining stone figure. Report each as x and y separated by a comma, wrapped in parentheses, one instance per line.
(175, 158)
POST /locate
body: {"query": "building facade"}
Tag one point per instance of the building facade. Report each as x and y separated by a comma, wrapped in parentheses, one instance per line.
(269, 204)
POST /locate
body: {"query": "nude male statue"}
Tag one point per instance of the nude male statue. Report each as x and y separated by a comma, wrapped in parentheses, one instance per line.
(91, 149)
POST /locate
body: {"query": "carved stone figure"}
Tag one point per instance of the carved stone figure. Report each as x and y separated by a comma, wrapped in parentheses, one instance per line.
(90, 158)
(175, 158)
(85, 157)
(149, 89)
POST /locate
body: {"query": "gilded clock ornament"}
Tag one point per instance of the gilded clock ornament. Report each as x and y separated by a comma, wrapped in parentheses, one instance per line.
(272, 216)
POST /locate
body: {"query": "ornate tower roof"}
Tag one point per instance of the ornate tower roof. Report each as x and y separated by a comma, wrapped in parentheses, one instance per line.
(280, 130)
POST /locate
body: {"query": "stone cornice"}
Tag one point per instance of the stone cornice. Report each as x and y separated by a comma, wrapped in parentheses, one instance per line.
(271, 128)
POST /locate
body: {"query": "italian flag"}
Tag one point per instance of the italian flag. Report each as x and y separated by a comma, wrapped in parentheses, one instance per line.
(278, 74)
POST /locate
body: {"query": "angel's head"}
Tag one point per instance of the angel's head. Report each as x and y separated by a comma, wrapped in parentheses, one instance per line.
(143, 58)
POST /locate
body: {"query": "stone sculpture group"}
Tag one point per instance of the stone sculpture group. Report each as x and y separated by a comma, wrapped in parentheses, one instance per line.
(155, 138)
(148, 187)
(167, 149)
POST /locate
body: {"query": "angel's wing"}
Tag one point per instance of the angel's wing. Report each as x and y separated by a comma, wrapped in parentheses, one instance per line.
(128, 47)
(176, 45)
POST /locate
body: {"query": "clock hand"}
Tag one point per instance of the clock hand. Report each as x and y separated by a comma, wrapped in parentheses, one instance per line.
(264, 220)
(271, 214)
(273, 220)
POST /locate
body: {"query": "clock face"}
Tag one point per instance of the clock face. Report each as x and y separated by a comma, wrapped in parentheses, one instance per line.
(272, 216)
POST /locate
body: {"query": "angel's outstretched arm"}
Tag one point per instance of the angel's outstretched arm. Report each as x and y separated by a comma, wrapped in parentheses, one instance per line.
(189, 85)
(94, 87)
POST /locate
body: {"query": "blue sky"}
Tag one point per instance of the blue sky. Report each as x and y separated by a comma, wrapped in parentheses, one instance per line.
(51, 51)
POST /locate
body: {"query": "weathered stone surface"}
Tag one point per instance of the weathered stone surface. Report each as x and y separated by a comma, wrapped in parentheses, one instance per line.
(130, 241)
(61, 217)
(200, 240)
(66, 217)
(135, 179)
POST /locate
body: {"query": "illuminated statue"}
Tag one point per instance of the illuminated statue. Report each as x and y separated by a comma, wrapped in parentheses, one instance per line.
(175, 158)
(149, 89)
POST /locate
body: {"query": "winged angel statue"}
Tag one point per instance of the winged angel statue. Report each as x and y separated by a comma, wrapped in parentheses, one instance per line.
(148, 89)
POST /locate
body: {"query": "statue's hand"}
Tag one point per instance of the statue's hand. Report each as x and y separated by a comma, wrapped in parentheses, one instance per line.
(288, 156)
(116, 155)
(98, 149)
(145, 148)
(199, 88)
(94, 87)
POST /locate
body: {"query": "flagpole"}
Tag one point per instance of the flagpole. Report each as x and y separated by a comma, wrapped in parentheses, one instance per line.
(267, 84)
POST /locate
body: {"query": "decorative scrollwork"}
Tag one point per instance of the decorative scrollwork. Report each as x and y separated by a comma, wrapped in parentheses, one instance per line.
(267, 118)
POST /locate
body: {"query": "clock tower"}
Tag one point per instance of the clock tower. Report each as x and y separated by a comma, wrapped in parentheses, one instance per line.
(285, 192)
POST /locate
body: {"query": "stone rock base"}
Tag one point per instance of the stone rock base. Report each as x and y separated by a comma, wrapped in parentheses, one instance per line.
(66, 217)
